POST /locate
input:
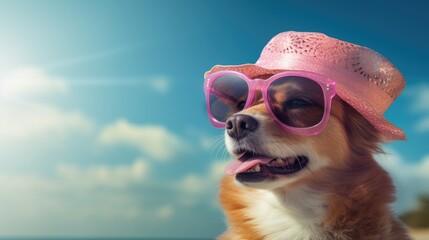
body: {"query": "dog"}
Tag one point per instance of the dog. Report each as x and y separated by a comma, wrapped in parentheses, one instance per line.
(305, 165)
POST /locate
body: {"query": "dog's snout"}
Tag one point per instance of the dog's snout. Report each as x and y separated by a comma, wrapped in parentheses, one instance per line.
(239, 125)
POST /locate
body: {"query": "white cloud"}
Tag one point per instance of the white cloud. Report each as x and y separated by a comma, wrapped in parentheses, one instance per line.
(110, 176)
(31, 81)
(164, 212)
(195, 186)
(423, 125)
(73, 199)
(420, 94)
(217, 169)
(203, 188)
(411, 179)
(80, 200)
(160, 84)
(73, 194)
(22, 118)
(193, 183)
(154, 140)
(19, 122)
(101, 200)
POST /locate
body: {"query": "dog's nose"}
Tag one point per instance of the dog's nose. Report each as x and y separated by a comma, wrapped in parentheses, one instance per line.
(239, 125)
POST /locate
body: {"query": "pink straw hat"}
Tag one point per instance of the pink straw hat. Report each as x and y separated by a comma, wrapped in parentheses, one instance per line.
(364, 78)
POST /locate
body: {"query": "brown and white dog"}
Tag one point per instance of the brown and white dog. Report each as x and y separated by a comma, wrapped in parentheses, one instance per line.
(289, 185)
(335, 188)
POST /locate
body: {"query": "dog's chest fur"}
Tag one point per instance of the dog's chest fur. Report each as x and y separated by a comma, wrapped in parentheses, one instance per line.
(294, 214)
(306, 213)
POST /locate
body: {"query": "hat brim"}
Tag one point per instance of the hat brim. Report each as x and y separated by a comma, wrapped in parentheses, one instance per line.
(387, 130)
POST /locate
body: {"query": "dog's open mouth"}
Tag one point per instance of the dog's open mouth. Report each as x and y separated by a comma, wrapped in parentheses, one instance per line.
(252, 167)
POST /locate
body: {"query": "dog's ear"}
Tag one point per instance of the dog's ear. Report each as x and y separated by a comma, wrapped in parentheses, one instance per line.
(362, 135)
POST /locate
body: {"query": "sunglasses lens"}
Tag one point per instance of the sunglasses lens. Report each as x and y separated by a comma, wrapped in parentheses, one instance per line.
(297, 101)
(228, 95)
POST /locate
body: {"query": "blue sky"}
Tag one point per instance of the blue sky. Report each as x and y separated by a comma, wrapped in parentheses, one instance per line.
(103, 129)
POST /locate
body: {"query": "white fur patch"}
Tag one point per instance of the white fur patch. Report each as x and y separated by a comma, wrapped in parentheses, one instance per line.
(292, 214)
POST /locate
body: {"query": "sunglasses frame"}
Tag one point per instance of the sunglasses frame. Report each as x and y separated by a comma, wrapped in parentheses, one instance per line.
(327, 85)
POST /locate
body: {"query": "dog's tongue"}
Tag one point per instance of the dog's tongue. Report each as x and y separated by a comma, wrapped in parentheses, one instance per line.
(244, 163)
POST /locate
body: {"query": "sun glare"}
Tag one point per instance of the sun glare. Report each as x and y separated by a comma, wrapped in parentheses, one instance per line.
(28, 82)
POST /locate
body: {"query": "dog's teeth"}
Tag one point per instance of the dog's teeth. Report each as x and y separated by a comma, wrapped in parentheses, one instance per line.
(257, 168)
(279, 161)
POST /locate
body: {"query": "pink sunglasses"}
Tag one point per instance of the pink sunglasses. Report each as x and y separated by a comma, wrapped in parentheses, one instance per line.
(299, 101)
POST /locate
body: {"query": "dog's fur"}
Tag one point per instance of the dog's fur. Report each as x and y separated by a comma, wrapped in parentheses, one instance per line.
(341, 194)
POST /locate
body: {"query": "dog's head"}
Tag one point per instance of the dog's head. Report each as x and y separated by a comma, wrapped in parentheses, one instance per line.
(270, 157)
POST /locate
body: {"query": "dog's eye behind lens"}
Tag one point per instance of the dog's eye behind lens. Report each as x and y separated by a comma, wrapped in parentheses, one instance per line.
(240, 105)
(297, 103)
